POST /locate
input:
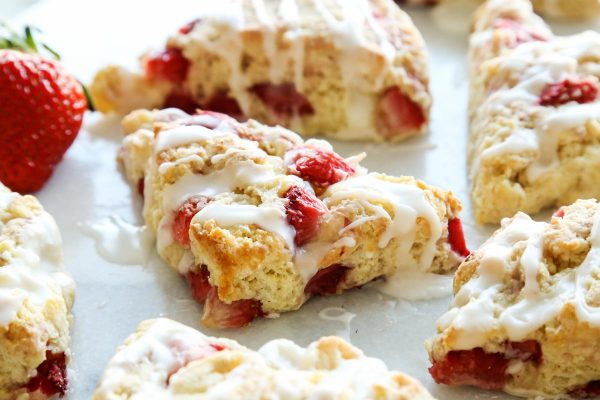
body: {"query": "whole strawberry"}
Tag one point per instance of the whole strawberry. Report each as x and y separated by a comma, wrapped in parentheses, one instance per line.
(41, 111)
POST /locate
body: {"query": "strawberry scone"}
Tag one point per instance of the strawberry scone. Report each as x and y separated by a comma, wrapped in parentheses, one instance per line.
(535, 113)
(36, 295)
(353, 69)
(167, 360)
(526, 312)
(562, 9)
(259, 220)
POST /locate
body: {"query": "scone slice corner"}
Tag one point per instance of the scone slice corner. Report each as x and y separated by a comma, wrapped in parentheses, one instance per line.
(167, 360)
(36, 294)
(525, 317)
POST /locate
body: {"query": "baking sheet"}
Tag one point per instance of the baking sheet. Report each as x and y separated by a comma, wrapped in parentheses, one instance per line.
(88, 197)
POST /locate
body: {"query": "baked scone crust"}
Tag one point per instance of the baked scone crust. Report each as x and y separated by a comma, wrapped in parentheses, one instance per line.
(370, 225)
(526, 311)
(535, 124)
(351, 70)
(36, 296)
(168, 360)
(559, 9)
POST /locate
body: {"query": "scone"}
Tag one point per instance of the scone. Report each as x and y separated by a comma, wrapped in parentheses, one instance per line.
(167, 360)
(36, 295)
(259, 220)
(353, 69)
(535, 113)
(562, 9)
(526, 312)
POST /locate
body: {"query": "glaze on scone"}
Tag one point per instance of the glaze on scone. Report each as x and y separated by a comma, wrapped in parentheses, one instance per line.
(355, 69)
(535, 113)
(167, 360)
(259, 220)
(563, 9)
(526, 312)
(36, 295)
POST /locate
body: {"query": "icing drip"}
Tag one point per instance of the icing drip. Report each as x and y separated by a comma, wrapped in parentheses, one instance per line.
(415, 285)
(476, 309)
(120, 242)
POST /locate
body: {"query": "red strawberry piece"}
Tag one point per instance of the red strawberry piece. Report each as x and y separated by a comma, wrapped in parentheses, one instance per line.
(140, 187)
(221, 102)
(303, 211)
(187, 28)
(580, 91)
(559, 213)
(51, 376)
(471, 367)
(199, 283)
(456, 237)
(326, 281)
(527, 350)
(283, 100)
(521, 32)
(42, 110)
(183, 218)
(322, 168)
(398, 114)
(182, 100)
(486, 370)
(168, 65)
(589, 391)
(218, 314)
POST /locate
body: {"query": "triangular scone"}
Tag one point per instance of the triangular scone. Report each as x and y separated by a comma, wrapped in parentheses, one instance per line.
(526, 311)
(535, 113)
(352, 69)
(564, 9)
(259, 220)
(170, 361)
(36, 295)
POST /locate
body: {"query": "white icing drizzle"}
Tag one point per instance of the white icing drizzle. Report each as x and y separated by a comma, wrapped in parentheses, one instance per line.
(408, 203)
(538, 64)
(33, 271)
(233, 175)
(308, 258)
(476, 309)
(183, 135)
(268, 217)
